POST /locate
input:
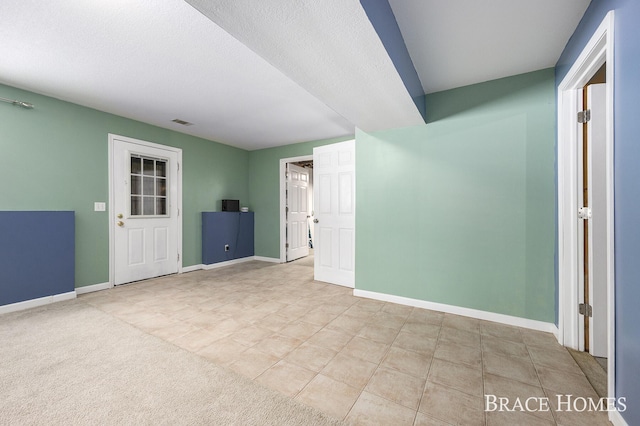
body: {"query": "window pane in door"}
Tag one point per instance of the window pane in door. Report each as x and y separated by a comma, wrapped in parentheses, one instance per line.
(136, 185)
(161, 206)
(161, 187)
(148, 168)
(161, 168)
(147, 186)
(136, 206)
(148, 189)
(148, 206)
(136, 165)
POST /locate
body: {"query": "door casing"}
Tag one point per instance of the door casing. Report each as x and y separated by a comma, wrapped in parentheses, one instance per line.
(300, 247)
(598, 51)
(283, 201)
(111, 211)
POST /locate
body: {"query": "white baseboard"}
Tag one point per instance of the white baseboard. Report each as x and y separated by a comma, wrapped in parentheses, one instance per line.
(227, 263)
(92, 288)
(616, 418)
(33, 303)
(267, 259)
(192, 268)
(457, 310)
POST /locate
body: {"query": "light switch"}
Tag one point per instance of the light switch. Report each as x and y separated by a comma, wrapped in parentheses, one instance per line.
(99, 207)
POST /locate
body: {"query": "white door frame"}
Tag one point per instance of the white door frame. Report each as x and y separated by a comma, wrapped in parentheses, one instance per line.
(283, 201)
(112, 213)
(598, 51)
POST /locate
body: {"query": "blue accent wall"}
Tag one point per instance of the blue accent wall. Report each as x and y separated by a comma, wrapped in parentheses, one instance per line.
(235, 229)
(626, 183)
(37, 255)
(384, 22)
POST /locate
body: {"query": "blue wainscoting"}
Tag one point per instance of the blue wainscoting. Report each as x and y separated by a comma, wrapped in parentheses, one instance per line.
(37, 254)
(226, 228)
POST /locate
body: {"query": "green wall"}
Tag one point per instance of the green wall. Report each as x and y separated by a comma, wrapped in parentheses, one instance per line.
(264, 192)
(54, 157)
(461, 210)
(458, 211)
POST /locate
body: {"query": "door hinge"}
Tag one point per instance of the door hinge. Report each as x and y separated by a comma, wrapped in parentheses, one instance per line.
(286, 245)
(585, 309)
(584, 116)
(584, 213)
(178, 257)
(178, 166)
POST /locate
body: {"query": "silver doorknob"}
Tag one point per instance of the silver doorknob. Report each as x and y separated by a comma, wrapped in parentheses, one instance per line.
(315, 221)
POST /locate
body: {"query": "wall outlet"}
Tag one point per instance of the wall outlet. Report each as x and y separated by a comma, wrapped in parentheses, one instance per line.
(226, 247)
(99, 206)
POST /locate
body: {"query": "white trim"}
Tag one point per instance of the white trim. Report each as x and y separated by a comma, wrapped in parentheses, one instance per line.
(178, 152)
(192, 268)
(227, 263)
(92, 288)
(267, 259)
(33, 303)
(202, 266)
(457, 310)
(616, 418)
(599, 50)
(283, 220)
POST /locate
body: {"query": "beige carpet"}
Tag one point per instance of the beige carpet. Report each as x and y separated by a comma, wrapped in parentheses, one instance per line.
(72, 364)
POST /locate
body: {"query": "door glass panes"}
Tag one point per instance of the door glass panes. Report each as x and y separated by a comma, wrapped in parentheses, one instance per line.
(136, 206)
(136, 165)
(148, 186)
(148, 196)
(136, 185)
(147, 206)
(148, 168)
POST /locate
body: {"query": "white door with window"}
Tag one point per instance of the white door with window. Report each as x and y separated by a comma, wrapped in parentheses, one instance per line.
(297, 212)
(144, 209)
(334, 191)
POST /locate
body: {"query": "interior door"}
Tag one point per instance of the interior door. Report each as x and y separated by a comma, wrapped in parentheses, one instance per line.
(145, 211)
(334, 191)
(597, 241)
(297, 212)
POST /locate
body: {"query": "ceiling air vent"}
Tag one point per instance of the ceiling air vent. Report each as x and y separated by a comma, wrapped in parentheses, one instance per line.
(184, 123)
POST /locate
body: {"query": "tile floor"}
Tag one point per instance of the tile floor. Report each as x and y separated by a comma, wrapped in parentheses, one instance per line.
(359, 360)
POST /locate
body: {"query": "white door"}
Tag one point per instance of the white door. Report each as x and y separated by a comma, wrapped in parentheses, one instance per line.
(334, 191)
(145, 188)
(297, 212)
(596, 131)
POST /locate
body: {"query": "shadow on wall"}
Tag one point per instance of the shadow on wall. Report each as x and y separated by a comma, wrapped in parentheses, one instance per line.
(445, 104)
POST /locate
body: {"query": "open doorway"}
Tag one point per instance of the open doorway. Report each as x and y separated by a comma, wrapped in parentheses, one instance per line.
(593, 232)
(586, 302)
(296, 208)
(332, 215)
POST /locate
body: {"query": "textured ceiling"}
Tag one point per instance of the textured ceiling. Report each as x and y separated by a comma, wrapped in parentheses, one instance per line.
(455, 43)
(155, 61)
(328, 47)
(260, 74)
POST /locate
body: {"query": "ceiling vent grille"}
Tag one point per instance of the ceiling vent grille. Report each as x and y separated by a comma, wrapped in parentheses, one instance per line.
(184, 123)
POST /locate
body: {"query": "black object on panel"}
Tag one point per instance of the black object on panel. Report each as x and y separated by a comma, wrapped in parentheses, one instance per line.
(230, 205)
